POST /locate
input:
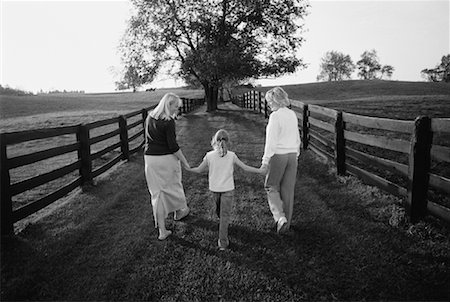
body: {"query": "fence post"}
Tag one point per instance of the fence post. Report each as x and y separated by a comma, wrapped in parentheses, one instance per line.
(339, 153)
(124, 146)
(254, 100)
(6, 202)
(84, 154)
(266, 108)
(259, 101)
(305, 126)
(419, 167)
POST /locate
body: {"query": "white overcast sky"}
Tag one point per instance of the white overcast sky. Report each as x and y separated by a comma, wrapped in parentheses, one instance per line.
(72, 45)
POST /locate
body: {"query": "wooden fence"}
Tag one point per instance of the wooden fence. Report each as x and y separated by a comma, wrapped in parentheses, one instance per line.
(336, 136)
(126, 132)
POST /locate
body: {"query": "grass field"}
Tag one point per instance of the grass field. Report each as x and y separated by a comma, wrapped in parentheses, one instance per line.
(19, 113)
(349, 242)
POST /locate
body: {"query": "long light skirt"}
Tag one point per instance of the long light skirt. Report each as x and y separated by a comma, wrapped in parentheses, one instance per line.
(163, 175)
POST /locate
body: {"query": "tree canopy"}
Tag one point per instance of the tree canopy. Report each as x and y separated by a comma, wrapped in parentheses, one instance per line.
(441, 73)
(368, 65)
(211, 42)
(335, 66)
(370, 68)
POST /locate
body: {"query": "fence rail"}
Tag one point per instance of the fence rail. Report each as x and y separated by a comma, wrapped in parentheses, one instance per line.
(332, 134)
(83, 164)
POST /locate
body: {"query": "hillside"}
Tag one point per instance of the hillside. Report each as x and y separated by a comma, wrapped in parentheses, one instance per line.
(355, 89)
(12, 106)
(388, 99)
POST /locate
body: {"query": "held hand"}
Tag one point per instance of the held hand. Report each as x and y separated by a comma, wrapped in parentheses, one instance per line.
(263, 169)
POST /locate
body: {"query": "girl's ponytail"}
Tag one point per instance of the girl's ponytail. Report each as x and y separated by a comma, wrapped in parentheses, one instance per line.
(219, 142)
(222, 147)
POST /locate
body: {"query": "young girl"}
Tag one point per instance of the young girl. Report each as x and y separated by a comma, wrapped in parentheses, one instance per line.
(220, 163)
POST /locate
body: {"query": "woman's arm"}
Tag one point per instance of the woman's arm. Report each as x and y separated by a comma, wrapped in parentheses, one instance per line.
(182, 159)
(271, 135)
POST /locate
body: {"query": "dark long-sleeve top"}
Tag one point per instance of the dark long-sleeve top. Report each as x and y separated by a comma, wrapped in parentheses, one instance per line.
(160, 137)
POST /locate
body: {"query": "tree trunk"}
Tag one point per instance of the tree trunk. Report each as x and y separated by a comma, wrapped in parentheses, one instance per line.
(221, 99)
(211, 93)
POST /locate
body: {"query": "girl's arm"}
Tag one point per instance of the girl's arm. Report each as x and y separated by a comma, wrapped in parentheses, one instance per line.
(201, 168)
(248, 168)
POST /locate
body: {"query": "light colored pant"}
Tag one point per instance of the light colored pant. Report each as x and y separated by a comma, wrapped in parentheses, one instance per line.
(280, 185)
(225, 199)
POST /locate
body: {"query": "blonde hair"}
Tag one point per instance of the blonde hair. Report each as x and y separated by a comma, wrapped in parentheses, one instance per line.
(278, 96)
(162, 110)
(220, 142)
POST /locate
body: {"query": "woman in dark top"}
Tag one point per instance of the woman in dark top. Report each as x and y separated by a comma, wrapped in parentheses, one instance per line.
(162, 158)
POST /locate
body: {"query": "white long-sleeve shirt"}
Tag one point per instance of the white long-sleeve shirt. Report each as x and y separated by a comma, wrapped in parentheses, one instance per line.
(282, 134)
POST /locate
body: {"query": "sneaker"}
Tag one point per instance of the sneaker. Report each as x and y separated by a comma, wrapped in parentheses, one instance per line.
(180, 214)
(221, 248)
(281, 225)
(165, 235)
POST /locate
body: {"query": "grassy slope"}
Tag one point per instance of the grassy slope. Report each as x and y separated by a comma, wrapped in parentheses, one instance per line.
(349, 242)
(357, 89)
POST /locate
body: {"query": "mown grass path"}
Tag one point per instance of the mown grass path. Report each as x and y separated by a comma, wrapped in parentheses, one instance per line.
(101, 244)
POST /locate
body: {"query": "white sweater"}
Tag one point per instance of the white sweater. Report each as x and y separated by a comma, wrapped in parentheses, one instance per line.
(282, 134)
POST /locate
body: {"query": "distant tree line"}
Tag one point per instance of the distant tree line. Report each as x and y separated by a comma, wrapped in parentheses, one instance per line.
(13, 91)
(60, 91)
(6, 90)
(336, 66)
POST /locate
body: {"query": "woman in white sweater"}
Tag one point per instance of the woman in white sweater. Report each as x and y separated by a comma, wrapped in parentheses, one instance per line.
(281, 152)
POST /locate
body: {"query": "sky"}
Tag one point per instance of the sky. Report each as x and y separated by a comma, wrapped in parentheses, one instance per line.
(72, 45)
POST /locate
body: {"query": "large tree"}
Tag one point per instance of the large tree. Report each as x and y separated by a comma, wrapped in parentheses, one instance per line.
(369, 65)
(441, 73)
(335, 66)
(214, 42)
(370, 68)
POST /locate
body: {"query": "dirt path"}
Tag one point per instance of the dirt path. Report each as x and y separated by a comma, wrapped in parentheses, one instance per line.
(101, 245)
